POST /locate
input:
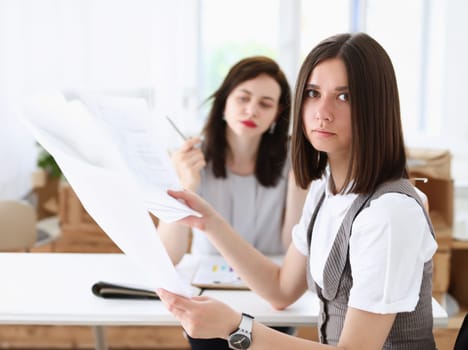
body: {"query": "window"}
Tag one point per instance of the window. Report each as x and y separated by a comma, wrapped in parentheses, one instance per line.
(428, 50)
(320, 20)
(405, 47)
(232, 30)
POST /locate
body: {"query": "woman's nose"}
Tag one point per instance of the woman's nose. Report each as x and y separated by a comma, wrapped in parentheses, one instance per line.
(251, 109)
(324, 111)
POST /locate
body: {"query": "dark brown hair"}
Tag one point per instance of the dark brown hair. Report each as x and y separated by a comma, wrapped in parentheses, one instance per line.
(377, 146)
(273, 148)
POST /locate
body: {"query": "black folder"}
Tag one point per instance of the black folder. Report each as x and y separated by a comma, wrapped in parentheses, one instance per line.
(119, 291)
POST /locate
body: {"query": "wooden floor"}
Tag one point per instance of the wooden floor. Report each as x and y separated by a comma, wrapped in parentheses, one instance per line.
(71, 337)
(74, 337)
(136, 338)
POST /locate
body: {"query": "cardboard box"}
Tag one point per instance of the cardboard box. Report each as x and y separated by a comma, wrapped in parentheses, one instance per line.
(72, 214)
(80, 233)
(458, 277)
(440, 195)
(434, 165)
(441, 272)
(45, 188)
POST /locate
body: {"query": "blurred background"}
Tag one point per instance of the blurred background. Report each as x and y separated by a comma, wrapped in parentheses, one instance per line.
(175, 53)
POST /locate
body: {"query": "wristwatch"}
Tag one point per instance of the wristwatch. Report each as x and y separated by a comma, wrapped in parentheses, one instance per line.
(241, 338)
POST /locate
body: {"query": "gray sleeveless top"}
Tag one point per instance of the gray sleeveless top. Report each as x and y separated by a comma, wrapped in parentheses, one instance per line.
(256, 212)
(411, 330)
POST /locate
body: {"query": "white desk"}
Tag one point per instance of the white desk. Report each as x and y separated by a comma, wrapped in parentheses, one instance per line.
(55, 289)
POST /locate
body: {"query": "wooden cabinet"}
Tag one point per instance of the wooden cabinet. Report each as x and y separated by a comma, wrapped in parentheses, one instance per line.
(430, 171)
(450, 273)
(458, 286)
(80, 233)
(440, 195)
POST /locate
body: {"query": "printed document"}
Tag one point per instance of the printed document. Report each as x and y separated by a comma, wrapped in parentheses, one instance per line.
(129, 122)
(90, 157)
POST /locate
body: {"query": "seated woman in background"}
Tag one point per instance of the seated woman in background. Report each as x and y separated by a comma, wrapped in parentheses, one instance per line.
(242, 168)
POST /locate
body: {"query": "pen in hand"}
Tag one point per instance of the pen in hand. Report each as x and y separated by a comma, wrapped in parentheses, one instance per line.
(176, 128)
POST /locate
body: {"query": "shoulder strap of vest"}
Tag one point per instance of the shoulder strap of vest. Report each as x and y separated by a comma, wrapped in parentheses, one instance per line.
(338, 257)
(312, 220)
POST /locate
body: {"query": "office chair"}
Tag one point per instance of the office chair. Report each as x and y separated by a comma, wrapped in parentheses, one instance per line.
(462, 338)
(19, 229)
(48, 230)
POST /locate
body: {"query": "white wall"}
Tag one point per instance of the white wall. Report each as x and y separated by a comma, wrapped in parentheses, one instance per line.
(455, 106)
(455, 94)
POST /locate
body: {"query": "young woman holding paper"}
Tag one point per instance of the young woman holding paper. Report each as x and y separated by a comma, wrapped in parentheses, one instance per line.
(374, 285)
(242, 167)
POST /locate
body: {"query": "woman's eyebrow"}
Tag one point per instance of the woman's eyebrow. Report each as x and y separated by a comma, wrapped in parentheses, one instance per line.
(341, 88)
(312, 86)
(317, 87)
(262, 97)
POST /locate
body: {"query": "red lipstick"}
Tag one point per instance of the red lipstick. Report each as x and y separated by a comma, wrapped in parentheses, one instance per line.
(249, 123)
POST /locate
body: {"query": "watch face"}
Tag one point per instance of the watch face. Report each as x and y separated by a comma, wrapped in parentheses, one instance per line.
(239, 341)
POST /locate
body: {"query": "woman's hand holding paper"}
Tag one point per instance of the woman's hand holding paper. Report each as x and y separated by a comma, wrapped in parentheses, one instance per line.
(209, 222)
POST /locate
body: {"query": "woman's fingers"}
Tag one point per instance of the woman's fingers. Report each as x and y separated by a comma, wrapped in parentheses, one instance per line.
(201, 316)
(191, 199)
(210, 221)
(177, 194)
(190, 143)
(185, 310)
(180, 306)
(187, 196)
(192, 157)
(172, 301)
(188, 164)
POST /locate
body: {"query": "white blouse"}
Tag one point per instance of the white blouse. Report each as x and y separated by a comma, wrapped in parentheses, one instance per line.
(389, 245)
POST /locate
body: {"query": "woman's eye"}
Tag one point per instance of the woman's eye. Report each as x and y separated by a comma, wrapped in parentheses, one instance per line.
(343, 97)
(243, 98)
(312, 93)
(266, 105)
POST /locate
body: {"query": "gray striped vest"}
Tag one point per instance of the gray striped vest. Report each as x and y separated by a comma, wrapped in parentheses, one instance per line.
(411, 330)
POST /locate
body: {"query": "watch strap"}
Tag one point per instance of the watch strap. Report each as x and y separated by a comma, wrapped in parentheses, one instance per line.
(246, 323)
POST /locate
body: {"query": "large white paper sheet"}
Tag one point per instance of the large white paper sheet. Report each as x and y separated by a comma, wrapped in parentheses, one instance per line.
(92, 164)
(129, 121)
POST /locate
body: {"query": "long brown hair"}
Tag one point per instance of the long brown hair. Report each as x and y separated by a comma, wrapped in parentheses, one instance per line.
(273, 148)
(377, 147)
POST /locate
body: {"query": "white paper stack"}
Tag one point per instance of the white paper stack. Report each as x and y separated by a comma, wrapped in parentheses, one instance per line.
(109, 156)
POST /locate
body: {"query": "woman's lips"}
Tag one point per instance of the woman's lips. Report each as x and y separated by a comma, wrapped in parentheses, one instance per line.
(323, 133)
(249, 123)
